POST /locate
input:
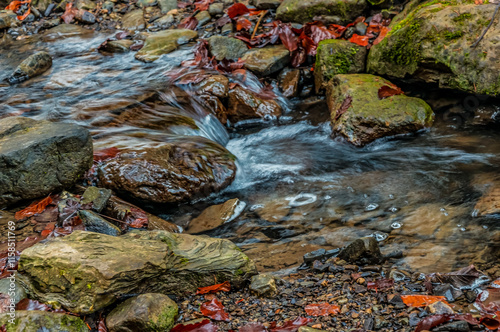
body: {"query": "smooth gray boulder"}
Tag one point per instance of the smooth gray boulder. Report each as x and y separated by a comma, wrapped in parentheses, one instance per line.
(40, 157)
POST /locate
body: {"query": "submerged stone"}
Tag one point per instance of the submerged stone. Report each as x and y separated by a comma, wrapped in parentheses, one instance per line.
(358, 114)
(37, 321)
(149, 312)
(40, 157)
(94, 223)
(364, 250)
(244, 104)
(164, 42)
(226, 47)
(85, 272)
(133, 20)
(215, 216)
(174, 172)
(32, 66)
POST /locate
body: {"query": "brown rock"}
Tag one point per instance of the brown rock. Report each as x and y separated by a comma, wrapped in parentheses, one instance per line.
(289, 82)
(244, 104)
(215, 216)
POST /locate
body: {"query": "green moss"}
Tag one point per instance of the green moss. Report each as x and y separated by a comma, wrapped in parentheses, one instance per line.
(451, 35)
(165, 320)
(239, 272)
(338, 63)
(462, 17)
(406, 49)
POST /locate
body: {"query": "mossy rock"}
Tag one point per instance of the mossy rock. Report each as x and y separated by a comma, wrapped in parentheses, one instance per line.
(337, 57)
(303, 11)
(85, 272)
(36, 321)
(164, 42)
(361, 117)
(432, 40)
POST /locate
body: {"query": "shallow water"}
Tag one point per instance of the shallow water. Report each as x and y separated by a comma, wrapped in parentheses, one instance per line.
(303, 189)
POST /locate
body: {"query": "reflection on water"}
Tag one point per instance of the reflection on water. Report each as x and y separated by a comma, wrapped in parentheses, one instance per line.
(303, 190)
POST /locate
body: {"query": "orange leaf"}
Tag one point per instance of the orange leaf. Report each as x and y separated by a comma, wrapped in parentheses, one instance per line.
(105, 154)
(381, 36)
(69, 13)
(243, 24)
(33, 209)
(15, 5)
(421, 300)
(388, 91)
(224, 287)
(321, 309)
(359, 40)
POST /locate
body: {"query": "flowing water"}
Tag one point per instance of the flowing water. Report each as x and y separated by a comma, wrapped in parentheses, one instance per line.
(303, 189)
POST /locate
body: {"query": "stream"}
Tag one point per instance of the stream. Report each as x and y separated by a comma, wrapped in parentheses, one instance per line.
(303, 189)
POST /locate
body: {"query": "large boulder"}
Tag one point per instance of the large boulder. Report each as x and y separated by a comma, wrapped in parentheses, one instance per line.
(32, 66)
(147, 313)
(170, 173)
(37, 321)
(40, 157)
(432, 41)
(359, 115)
(85, 272)
(337, 11)
(164, 42)
(335, 56)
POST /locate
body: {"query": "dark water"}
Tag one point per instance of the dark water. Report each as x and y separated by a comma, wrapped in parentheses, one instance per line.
(303, 189)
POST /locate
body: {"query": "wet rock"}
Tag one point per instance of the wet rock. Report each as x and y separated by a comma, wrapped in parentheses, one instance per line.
(86, 271)
(289, 82)
(34, 321)
(65, 31)
(226, 47)
(167, 5)
(85, 17)
(85, 4)
(203, 18)
(244, 104)
(267, 60)
(133, 20)
(432, 42)
(360, 28)
(109, 6)
(215, 85)
(216, 215)
(98, 197)
(309, 329)
(303, 11)
(364, 250)
(146, 3)
(163, 42)
(226, 29)
(41, 5)
(489, 203)
(94, 223)
(7, 19)
(173, 172)
(118, 46)
(267, 4)
(32, 66)
(8, 285)
(216, 9)
(337, 57)
(457, 326)
(439, 308)
(40, 157)
(147, 312)
(263, 285)
(314, 255)
(361, 117)
(165, 20)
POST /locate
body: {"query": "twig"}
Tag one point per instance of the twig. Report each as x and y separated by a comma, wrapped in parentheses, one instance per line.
(104, 216)
(258, 22)
(487, 28)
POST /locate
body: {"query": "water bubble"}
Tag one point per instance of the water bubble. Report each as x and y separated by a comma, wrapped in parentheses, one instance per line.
(350, 189)
(391, 196)
(475, 213)
(463, 229)
(485, 227)
(328, 197)
(365, 195)
(379, 236)
(256, 207)
(459, 225)
(371, 207)
(302, 199)
(442, 209)
(393, 209)
(446, 214)
(395, 225)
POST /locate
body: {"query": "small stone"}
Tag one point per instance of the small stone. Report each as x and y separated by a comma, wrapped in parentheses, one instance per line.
(457, 326)
(97, 196)
(117, 46)
(314, 255)
(227, 29)
(32, 66)
(94, 223)
(133, 20)
(146, 312)
(164, 42)
(267, 60)
(309, 329)
(7, 19)
(361, 281)
(167, 5)
(216, 9)
(365, 250)
(439, 308)
(165, 20)
(203, 18)
(263, 285)
(146, 3)
(85, 17)
(8, 285)
(85, 4)
(289, 82)
(380, 322)
(360, 28)
(215, 216)
(267, 4)
(244, 104)
(226, 47)
(108, 5)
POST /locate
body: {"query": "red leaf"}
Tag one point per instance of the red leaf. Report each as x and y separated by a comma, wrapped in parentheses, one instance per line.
(253, 327)
(243, 24)
(202, 5)
(69, 13)
(380, 284)
(287, 37)
(491, 322)
(344, 107)
(430, 322)
(224, 287)
(190, 23)
(136, 218)
(381, 36)
(359, 40)
(291, 326)
(105, 154)
(204, 326)
(101, 327)
(27, 304)
(319, 33)
(34, 208)
(214, 310)
(237, 9)
(322, 309)
(15, 6)
(388, 91)
(421, 300)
